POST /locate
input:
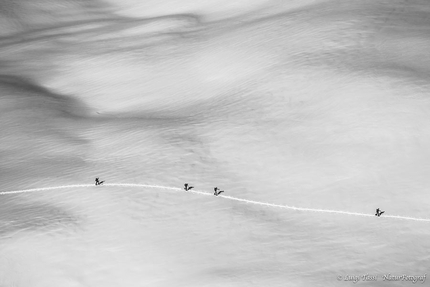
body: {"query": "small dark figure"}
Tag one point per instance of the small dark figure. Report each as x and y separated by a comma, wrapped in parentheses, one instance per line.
(217, 191)
(187, 187)
(99, 182)
(379, 212)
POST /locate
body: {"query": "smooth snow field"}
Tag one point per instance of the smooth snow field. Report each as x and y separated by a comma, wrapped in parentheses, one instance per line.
(308, 114)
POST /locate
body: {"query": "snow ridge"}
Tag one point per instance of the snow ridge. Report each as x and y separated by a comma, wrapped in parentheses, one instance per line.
(210, 194)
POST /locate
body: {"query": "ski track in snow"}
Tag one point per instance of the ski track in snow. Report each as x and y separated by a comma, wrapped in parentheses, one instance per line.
(210, 194)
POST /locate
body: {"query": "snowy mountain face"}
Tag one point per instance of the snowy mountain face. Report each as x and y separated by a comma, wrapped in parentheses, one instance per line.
(312, 104)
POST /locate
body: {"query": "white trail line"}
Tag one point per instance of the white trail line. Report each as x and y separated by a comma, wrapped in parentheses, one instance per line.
(210, 194)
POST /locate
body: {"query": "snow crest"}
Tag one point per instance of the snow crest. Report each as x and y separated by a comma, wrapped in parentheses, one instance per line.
(210, 194)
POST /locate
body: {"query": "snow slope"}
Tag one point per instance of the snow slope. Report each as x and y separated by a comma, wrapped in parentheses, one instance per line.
(314, 104)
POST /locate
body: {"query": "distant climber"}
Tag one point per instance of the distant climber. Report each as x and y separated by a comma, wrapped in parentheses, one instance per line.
(217, 191)
(187, 187)
(379, 212)
(98, 182)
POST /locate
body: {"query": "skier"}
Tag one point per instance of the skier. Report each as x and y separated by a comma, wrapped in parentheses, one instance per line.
(379, 212)
(187, 187)
(217, 191)
(99, 182)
